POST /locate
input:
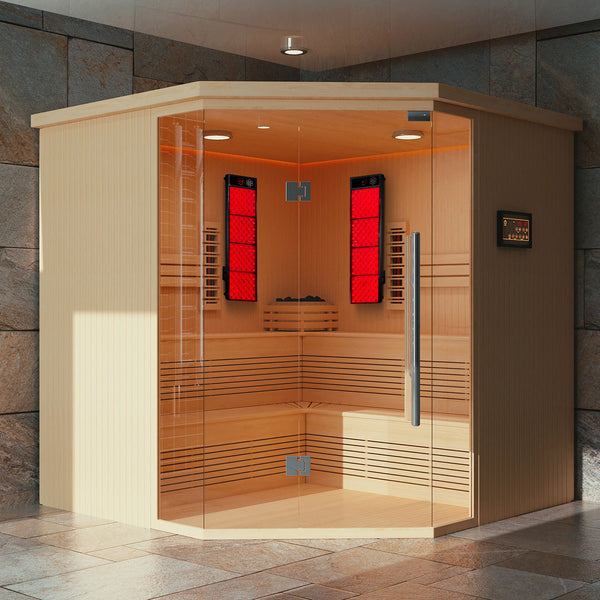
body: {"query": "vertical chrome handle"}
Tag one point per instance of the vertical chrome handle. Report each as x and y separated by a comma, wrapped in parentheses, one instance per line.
(412, 373)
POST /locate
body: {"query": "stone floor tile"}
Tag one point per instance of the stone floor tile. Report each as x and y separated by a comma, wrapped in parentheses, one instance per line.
(590, 518)
(319, 592)
(100, 537)
(42, 561)
(27, 528)
(587, 592)
(118, 553)
(33, 510)
(358, 570)
(137, 579)
(410, 590)
(10, 544)
(556, 538)
(248, 587)
(454, 551)
(563, 511)
(74, 520)
(498, 583)
(444, 572)
(333, 545)
(8, 595)
(186, 548)
(554, 565)
(246, 559)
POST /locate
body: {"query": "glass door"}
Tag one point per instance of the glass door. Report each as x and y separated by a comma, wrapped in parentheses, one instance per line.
(370, 181)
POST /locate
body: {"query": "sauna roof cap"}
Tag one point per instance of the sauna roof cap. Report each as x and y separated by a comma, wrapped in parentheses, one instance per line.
(392, 93)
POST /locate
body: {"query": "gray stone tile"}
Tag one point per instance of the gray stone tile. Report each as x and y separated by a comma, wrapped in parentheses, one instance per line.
(100, 537)
(88, 30)
(137, 579)
(569, 81)
(26, 510)
(592, 290)
(319, 592)
(168, 60)
(143, 84)
(555, 538)
(20, 15)
(119, 553)
(562, 511)
(262, 70)
(8, 595)
(98, 72)
(493, 531)
(571, 29)
(587, 592)
(450, 550)
(373, 71)
(358, 570)
(590, 518)
(334, 545)
(73, 520)
(587, 208)
(587, 373)
(248, 587)
(465, 66)
(27, 528)
(33, 78)
(579, 288)
(238, 558)
(498, 583)
(512, 68)
(19, 371)
(413, 591)
(444, 572)
(10, 544)
(18, 288)
(587, 458)
(18, 206)
(564, 567)
(43, 561)
(18, 455)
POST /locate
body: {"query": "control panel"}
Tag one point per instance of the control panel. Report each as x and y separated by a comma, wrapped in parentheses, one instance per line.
(514, 229)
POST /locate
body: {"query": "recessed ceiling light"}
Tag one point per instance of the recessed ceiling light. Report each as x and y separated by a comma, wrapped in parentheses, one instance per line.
(293, 45)
(407, 134)
(263, 127)
(218, 134)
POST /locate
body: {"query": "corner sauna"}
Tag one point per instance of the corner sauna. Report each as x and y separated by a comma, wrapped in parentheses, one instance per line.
(242, 337)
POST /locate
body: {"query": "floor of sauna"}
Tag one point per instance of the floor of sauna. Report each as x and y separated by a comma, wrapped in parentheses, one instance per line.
(316, 506)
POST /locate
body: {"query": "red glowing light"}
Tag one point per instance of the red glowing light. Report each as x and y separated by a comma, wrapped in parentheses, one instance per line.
(364, 241)
(241, 250)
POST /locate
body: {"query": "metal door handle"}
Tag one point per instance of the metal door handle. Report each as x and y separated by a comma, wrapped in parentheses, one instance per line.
(412, 373)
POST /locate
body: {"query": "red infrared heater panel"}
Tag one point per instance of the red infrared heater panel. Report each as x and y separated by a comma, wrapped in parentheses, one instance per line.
(239, 272)
(366, 239)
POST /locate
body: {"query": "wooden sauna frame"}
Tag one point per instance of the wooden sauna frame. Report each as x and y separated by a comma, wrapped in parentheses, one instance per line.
(99, 314)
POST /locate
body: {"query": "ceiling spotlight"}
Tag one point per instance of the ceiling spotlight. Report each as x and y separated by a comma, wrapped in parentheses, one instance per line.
(293, 45)
(218, 134)
(407, 134)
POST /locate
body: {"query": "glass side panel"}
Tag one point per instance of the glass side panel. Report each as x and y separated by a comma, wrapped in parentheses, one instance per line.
(188, 280)
(450, 287)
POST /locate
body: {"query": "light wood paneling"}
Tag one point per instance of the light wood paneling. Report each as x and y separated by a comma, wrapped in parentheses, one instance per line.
(523, 319)
(98, 282)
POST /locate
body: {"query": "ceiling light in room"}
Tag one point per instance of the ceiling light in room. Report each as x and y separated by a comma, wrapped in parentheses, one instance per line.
(407, 134)
(293, 45)
(263, 127)
(218, 134)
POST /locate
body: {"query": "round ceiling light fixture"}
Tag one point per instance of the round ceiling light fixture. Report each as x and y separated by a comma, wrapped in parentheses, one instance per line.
(407, 134)
(293, 45)
(218, 134)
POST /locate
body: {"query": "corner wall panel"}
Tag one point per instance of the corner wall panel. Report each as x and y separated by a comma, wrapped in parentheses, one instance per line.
(98, 274)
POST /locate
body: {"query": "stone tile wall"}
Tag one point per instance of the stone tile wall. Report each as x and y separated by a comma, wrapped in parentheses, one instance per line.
(51, 61)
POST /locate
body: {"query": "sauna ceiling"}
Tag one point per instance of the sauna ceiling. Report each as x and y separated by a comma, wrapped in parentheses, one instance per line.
(316, 136)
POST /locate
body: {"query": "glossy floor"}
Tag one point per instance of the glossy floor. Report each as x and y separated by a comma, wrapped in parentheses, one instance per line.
(56, 555)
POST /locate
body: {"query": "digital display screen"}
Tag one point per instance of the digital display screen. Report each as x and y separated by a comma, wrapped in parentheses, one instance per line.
(514, 229)
(239, 272)
(366, 235)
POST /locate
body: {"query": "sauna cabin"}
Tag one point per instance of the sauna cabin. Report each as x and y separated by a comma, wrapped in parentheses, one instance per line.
(306, 309)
